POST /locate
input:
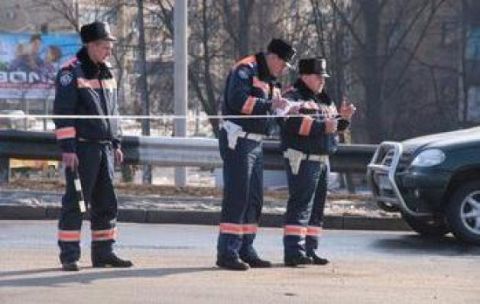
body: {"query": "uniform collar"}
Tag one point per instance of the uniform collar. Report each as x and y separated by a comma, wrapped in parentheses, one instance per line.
(263, 71)
(91, 69)
(306, 93)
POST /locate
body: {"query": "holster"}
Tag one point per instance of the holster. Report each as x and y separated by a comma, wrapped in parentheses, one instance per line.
(294, 159)
(233, 132)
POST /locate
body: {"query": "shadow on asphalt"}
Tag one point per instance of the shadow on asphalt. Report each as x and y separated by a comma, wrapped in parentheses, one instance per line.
(86, 276)
(26, 272)
(416, 244)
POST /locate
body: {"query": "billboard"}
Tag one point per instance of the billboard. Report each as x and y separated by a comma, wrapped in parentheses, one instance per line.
(29, 63)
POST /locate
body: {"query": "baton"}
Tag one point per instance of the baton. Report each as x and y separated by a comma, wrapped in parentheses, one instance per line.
(79, 192)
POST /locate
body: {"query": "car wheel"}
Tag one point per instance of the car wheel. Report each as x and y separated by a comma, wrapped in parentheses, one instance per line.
(430, 227)
(387, 207)
(463, 212)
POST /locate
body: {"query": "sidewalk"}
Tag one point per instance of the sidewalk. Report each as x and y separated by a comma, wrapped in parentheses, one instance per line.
(341, 212)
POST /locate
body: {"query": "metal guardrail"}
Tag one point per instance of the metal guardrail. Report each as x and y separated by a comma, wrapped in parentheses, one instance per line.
(170, 151)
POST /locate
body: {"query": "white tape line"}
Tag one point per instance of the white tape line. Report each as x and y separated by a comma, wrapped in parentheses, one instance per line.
(78, 186)
(151, 117)
(82, 206)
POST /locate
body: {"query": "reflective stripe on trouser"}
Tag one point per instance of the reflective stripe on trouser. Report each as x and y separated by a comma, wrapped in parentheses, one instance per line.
(69, 235)
(304, 214)
(104, 235)
(96, 175)
(242, 197)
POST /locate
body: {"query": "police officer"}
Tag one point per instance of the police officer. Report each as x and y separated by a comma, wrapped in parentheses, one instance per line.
(307, 141)
(251, 89)
(86, 86)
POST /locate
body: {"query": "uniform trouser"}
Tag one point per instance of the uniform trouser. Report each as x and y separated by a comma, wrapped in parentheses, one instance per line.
(305, 207)
(242, 198)
(95, 170)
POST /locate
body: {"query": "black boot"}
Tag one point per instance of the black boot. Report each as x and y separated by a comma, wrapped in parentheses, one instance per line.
(110, 260)
(294, 261)
(70, 266)
(257, 262)
(232, 264)
(316, 259)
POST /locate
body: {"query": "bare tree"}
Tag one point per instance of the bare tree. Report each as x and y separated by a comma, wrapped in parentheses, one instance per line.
(386, 37)
(469, 64)
(237, 24)
(378, 52)
(68, 10)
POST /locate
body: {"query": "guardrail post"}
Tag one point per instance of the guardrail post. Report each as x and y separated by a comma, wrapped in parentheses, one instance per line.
(349, 183)
(4, 170)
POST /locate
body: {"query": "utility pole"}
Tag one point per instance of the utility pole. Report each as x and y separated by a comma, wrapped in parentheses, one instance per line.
(143, 86)
(180, 79)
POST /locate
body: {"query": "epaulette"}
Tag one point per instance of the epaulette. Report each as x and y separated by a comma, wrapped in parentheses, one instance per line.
(250, 61)
(70, 64)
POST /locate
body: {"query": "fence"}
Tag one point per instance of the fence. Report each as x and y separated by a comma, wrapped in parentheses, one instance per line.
(167, 151)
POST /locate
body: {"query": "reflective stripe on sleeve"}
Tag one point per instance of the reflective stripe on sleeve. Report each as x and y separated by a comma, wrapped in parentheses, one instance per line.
(249, 105)
(306, 126)
(109, 83)
(262, 85)
(247, 60)
(96, 84)
(88, 83)
(65, 133)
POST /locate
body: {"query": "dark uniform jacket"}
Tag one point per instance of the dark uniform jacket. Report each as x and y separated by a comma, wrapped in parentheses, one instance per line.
(85, 88)
(307, 133)
(249, 90)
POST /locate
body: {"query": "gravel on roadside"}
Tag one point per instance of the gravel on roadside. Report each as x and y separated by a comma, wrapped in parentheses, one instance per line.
(22, 192)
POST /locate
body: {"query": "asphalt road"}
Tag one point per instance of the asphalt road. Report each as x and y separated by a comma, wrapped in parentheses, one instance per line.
(175, 264)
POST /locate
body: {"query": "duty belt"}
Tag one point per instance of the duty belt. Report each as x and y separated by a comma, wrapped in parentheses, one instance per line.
(94, 141)
(295, 158)
(234, 132)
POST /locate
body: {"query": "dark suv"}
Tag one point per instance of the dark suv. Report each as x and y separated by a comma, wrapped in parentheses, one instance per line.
(433, 181)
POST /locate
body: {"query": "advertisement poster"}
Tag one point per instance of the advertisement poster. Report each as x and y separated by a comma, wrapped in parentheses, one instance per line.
(29, 63)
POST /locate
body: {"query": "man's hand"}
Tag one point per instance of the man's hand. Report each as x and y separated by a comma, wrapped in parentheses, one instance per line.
(279, 103)
(294, 109)
(347, 110)
(330, 125)
(70, 160)
(118, 156)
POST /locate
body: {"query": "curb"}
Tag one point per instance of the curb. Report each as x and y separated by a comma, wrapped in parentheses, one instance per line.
(204, 218)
